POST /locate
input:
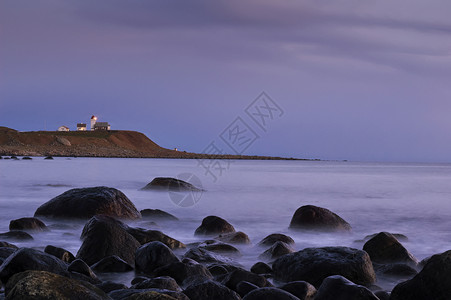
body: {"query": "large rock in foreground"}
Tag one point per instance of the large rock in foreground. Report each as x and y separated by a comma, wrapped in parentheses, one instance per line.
(315, 264)
(317, 218)
(46, 285)
(433, 282)
(85, 203)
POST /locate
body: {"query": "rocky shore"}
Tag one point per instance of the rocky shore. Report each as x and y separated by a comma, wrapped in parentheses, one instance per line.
(166, 268)
(114, 143)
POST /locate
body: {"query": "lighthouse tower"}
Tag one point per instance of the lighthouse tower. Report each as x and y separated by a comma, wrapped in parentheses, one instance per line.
(93, 122)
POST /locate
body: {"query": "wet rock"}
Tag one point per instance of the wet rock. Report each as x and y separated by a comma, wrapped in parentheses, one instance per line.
(234, 238)
(238, 275)
(399, 236)
(269, 293)
(111, 264)
(339, 288)
(105, 236)
(202, 255)
(315, 264)
(432, 282)
(243, 288)
(14, 157)
(152, 256)
(180, 271)
(46, 285)
(48, 158)
(261, 268)
(219, 269)
(395, 270)
(147, 294)
(218, 247)
(108, 286)
(60, 253)
(277, 250)
(210, 290)
(26, 158)
(85, 203)
(317, 218)
(16, 235)
(144, 236)
(30, 259)
(301, 289)
(79, 266)
(27, 224)
(212, 225)
(168, 183)
(157, 214)
(8, 245)
(276, 237)
(385, 248)
(163, 282)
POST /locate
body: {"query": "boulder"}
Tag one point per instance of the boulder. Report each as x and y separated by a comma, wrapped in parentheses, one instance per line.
(163, 282)
(111, 264)
(311, 217)
(234, 238)
(27, 158)
(84, 203)
(269, 240)
(145, 236)
(399, 236)
(181, 271)
(315, 264)
(261, 268)
(60, 253)
(301, 289)
(210, 290)
(48, 158)
(202, 255)
(339, 288)
(63, 141)
(233, 278)
(157, 214)
(42, 285)
(171, 184)
(432, 282)
(152, 256)
(385, 248)
(79, 266)
(212, 225)
(16, 235)
(26, 259)
(219, 247)
(243, 288)
(269, 293)
(277, 250)
(105, 236)
(27, 224)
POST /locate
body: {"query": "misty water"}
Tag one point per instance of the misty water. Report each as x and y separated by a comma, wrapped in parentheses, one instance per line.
(256, 197)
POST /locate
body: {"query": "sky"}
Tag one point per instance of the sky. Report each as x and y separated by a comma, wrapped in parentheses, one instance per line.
(352, 80)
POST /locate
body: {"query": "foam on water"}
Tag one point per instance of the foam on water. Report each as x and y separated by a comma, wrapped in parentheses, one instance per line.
(257, 197)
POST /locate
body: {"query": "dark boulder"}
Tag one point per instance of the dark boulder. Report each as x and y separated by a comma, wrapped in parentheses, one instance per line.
(276, 237)
(26, 259)
(433, 281)
(233, 278)
(111, 264)
(301, 289)
(234, 238)
(202, 255)
(157, 214)
(42, 285)
(27, 158)
(152, 256)
(105, 236)
(261, 268)
(108, 286)
(85, 203)
(60, 253)
(339, 288)
(269, 293)
(48, 157)
(213, 225)
(219, 247)
(277, 250)
(317, 218)
(219, 269)
(27, 224)
(208, 290)
(315, 264)
(181, 271)
(243, 288)
(16, 235)
(171, 184)
(385, 248)
(144, 236)
(163, 282)
(80, 267)
(399, 236)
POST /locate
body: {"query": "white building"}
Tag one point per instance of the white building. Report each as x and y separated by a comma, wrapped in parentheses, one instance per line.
(93, 122)
(63, 128)
(102, 126)
(81, 126)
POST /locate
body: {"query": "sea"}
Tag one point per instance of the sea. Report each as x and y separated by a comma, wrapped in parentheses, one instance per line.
(256, 197)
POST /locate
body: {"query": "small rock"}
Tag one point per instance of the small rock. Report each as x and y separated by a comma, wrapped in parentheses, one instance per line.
(79, 266)
(238, 275)
(152, 256)
(16, 235)
(144, 236)
(277, 250)
(27, 224)
(60, 253)
(234, 238)
(49, 158)
(317, 218)
(261, 268)
(172, 184)
(157, 214)
(301, 289)
(243, 288)
(202, 255)
(276, 237)
(339, 288)
(111, 264)
(212, 225)
(180, 271)
(26, 158)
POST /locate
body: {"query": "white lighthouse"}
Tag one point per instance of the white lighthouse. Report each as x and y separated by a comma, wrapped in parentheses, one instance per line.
(93, 122)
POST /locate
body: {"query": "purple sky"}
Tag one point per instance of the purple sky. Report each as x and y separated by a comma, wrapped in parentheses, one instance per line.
(357, 80)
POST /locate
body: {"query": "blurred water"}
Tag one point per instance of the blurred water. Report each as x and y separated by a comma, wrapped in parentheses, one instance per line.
(257, 197)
